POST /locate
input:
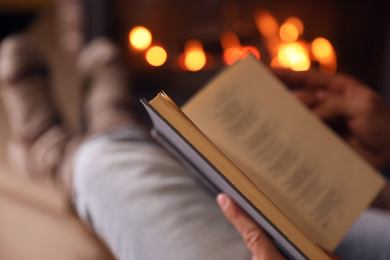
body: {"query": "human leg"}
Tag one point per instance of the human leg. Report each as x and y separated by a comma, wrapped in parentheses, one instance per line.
(369, 238)
(138, 199)
(39, 139)
(145, 205)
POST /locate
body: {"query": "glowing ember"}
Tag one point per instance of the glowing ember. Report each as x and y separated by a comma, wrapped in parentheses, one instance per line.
(140, 38)
(195, 57)
(156, 56)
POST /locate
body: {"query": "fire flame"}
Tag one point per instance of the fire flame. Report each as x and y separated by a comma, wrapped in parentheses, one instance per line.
(297, 23)
(231, 55)
(194, 55)
(156, 56)
(324, 53)
(266, 23)
(288, 32)
(230, 40)
(288, 51)
(284, 44)
(292, 56)
(140, 38)
(233, 49)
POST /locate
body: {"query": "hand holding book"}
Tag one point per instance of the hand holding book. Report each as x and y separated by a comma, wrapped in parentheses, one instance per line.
(247, 136)
(256, 239)
(352, 109)
(337, 99)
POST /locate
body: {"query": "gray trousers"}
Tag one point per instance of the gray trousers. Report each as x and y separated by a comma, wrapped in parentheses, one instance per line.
(145, 205)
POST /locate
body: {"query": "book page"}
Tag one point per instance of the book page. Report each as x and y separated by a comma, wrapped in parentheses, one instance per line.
(300, 164)
(207, 162)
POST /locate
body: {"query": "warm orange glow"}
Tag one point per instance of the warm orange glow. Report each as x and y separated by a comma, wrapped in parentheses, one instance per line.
(231, 55)
(273, 46)
(329, 69)
(297, 23)
(156, 56)
(195, 60)
(229, 40)
(195, 57)
(321, 49)
(275, 63)
(288, 32)
(251, 49)
(329, 66)
(293, 56)
(267, 25)
(324, 53)
(285, 47)
(140, 38)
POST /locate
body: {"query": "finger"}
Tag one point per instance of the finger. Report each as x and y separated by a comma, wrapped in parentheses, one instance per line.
(334, 107)
(329, 110)
(309, 98)
(256, 239)
(311, 79)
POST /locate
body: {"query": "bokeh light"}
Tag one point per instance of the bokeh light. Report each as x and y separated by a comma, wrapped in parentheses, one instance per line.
(195, 58)
(266, 23)
(297, 23)
(231, 55)
(293, 56)
(288, 32)
(321, 49)
(156, 56)
(140, 38)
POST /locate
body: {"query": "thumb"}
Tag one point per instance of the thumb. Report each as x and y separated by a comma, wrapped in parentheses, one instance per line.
(256, 239)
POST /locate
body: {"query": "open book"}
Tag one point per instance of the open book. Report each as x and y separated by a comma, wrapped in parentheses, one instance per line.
(246, 135)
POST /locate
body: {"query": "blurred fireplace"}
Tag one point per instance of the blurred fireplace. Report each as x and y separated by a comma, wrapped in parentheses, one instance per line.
(358, 31)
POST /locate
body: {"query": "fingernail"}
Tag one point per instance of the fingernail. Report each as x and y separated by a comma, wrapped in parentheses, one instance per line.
(222, 201)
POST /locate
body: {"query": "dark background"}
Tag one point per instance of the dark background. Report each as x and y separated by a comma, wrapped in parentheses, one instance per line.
(358, 30)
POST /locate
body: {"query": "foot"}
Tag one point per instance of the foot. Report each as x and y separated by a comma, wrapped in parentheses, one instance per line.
(108, 102)
(38, 138)
(41, 146)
